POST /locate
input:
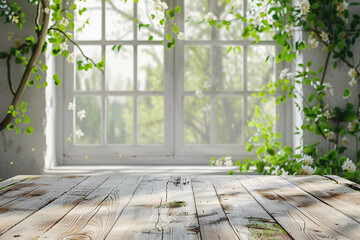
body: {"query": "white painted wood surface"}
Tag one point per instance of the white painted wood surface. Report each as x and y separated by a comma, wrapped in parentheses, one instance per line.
(178, 207)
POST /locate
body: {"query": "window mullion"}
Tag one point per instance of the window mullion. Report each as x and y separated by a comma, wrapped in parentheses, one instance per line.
(135, 98)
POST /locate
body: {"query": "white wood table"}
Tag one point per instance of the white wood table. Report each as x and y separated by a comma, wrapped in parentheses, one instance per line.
(188, 207)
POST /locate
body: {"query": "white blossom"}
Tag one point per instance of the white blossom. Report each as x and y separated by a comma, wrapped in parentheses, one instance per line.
(349, 166)
(81, 114)
(71, 106)
(63, 46)
(199, 93)
(64, 22)
(352, 73)
(325, 37)
(352, 82)
(218, 162)
(47, 10)
(210, 17)
(14, 19)
(207, 84)
(79, 133)
(284, 73)
(206, 108)
(308, 160)
(341, 6)
(351, 126)
(308, 170)
(305, 7)
(70, 58)
(329, 135)
(228, 163)
(283, 172)
(289, 29)
(181, 36)
(160, 5)
(324, 49)
(328, 88)
(313, 42)
(345, 140)
(10, 36)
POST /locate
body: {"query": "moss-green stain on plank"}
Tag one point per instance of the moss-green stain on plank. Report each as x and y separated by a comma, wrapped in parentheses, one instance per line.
(12, 184)
(265, 229)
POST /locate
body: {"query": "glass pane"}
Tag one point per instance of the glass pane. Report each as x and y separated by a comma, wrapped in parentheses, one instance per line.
(120, 120)
(155, 29)
(91, 79)
(197, 67)
(150, 68)
(222, 12)
(228, 69)
(119, 20)
(92, 15)
(194, 13)
(151, 119)
(229, 112)
(87, 119)
(260, 71)
(197, 120)
(119, 69)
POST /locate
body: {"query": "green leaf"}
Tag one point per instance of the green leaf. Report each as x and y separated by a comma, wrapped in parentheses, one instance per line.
(3, 55)
(347, 93)
(10, 126)
(311, 97)
(176, 29)
(57, 79)
(30, 130)
(260, 150)
(288, 150)
(177, 9)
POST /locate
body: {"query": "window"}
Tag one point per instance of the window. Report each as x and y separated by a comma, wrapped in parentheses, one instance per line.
(157, 106)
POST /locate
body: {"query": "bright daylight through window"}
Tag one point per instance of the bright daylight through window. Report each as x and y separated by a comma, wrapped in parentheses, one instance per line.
(188, 102)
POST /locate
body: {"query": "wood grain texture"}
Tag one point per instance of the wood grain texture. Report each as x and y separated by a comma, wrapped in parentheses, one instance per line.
(12, 181)
(50, 189)
(338, 196)
(49, 214)
(343, 181)
(245, 215)
(300, 214)
(213, 222)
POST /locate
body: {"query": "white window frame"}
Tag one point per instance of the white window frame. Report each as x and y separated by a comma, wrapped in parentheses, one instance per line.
(174, 151)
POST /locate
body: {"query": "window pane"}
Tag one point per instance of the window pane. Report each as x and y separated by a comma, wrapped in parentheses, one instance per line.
(120, 120)
(228, 69)
(150, 68)
(197, 120)
(144, 12)
(260, 72)
(151, 119)
(119, 69)
(229, 111)
(194, 13)
(197, 67)
(222, 13)
(91, 79)
(90, 124)
(91, 31)
(119, 20)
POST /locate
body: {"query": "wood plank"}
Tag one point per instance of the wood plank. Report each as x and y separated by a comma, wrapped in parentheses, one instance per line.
(49, 214)
(300, 214)
(245, 215)
(105, 208)
(213, 222)
(12, 181)
(344, 181)
(22, 207)
(143, 217)
(340, 197)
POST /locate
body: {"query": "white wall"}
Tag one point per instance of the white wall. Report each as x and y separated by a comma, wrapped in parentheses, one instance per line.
(26, 152)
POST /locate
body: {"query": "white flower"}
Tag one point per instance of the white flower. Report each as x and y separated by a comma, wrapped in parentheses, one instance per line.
(305, 7)
(207, 84)
(308, 170)
(228, 158)
(63, 46)
(47, 10)
(10, 36)
(352, 82)
(345, 140)
(206, 108)
(308, 160)
(340, 8)
(328, 88)
(228, 163)
(14, 19)
(210, 17)
(329, 135)
(289, 29)
(70, 58)
(352, 73)
(199, 93)
(81, 114)
(64, 22)
(283, 172)
(325, 37)
(313, 43)
(218, 162)
(71, 106)
(160, 5)
(290, 76)
(79, 133)
(349, 166)
(181, 36)
(283, 73)
(324, 49)
(351, 126)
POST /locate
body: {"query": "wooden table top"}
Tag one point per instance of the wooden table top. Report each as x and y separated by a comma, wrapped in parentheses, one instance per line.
(165, 207)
